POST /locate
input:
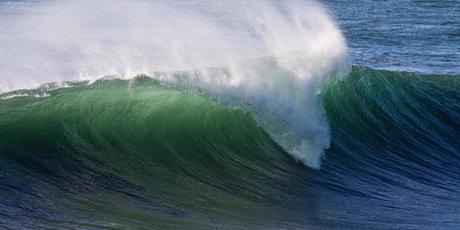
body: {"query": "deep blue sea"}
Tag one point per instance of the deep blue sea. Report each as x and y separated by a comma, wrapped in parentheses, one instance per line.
(416, 36)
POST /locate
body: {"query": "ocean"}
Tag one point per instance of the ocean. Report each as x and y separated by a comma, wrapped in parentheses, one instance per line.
(193, 114)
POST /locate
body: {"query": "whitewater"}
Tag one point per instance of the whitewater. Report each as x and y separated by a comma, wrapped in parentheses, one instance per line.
(274, 57)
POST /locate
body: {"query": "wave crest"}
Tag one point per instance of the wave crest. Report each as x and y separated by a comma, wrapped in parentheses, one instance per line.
(65, 40)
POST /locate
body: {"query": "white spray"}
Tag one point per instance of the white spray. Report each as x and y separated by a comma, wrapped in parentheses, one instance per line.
(276, 54)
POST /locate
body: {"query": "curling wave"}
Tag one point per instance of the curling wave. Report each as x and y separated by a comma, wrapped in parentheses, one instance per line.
(156, 155)
(216, 48)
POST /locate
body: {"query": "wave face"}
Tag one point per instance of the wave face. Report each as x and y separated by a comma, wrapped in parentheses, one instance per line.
(140, 154)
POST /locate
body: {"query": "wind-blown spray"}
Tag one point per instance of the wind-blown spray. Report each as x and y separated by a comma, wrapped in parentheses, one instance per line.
(272, 57)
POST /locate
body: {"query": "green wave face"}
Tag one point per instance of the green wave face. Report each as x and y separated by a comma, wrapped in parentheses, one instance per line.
(139, 154)
(136, 152)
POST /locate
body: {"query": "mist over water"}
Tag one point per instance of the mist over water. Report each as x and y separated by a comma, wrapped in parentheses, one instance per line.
(67, 40)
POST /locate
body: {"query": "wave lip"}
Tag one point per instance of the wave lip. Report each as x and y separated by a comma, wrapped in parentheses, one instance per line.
(272, 56)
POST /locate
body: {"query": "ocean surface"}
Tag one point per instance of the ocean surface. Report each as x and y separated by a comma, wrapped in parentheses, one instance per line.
(230, 115)
(409, 35)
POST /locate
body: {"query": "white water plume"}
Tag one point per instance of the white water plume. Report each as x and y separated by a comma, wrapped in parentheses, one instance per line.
(299, 45)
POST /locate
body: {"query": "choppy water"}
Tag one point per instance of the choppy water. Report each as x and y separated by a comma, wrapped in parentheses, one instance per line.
(411, 35)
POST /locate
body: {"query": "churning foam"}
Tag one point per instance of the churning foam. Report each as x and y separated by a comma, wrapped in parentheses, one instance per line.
(275, 54)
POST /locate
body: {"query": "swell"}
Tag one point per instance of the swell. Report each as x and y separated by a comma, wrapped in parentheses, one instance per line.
(138, 153)
(412, 116)
(395, 150)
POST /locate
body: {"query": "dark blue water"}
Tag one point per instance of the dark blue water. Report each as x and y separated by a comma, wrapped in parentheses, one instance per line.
(410, 35)
(405, 184)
